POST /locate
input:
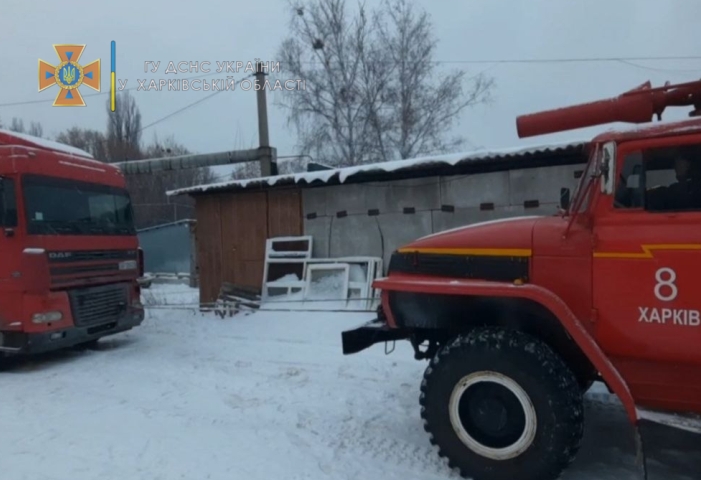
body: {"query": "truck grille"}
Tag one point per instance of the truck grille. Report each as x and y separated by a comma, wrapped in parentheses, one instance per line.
(101, 304)
(78, 267)
(494, 268)
(90, 255)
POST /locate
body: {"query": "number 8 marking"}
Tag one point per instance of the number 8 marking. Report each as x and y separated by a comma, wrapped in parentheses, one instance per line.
(669, 283)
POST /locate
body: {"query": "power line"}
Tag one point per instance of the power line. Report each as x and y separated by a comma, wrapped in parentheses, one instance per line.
(579, 60)
(186, 107)
(557, 60)
(166, 117)
(663, 70)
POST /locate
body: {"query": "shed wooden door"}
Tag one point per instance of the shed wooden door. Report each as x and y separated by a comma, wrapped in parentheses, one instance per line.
(209, 247)
(284, 213)
(244, 228)
(231, 234)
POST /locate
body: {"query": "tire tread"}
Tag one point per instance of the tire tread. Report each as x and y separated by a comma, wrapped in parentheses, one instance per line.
(553, 366)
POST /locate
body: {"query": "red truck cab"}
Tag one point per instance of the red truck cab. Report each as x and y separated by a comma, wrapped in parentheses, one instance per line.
(519, 316)
(69, 254)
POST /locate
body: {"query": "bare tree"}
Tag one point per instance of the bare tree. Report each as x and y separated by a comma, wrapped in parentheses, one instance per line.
(151, 204)
(242, 170)
(245, 170)
(17, 125)
(148, 191)
(35, 129)
(373, 89)
(423, 103)
(326, 50)
(285, 166)
(124, 130)
(92, 141)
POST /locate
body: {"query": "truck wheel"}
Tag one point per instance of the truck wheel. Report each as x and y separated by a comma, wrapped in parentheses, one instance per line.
(501, 405)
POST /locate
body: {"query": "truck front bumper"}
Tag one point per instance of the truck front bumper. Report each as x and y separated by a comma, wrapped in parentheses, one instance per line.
(30, 343)
(368, 334)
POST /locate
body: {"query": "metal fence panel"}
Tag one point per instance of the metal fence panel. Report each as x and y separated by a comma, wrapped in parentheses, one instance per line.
(167, 248)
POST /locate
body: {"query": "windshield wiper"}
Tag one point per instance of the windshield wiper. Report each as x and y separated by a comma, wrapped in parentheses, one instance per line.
(88, 225)
(62, 226)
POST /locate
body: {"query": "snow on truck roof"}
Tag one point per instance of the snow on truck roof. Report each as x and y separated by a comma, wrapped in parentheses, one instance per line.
(8, 137)
(340, 175)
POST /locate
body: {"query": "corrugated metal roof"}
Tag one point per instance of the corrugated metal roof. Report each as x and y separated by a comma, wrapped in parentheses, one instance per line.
(365, 172)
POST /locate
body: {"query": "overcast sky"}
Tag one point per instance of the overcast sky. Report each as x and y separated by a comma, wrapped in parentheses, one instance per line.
(467, 30)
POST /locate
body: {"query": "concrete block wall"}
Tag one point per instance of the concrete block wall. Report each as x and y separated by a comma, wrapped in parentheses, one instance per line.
(338, 220)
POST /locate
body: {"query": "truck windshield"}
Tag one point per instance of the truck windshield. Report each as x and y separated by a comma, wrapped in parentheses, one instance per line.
(55, 206)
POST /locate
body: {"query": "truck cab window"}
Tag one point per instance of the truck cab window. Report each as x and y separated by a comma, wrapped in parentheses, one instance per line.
(661, 180)
(8, 203)
(629, 188)
(56, 206)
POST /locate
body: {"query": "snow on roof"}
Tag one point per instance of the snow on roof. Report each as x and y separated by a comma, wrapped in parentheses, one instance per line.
(45, 144)
(343, 174)
(650, 130)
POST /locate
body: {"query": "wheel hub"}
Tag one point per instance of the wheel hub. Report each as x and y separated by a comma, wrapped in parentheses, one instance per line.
(492, 415)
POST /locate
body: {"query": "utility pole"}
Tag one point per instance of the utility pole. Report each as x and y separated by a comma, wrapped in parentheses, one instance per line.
(264, 154)
(268, 165)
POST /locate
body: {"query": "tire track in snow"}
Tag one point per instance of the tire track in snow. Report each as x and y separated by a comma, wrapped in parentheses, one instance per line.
(386, 430)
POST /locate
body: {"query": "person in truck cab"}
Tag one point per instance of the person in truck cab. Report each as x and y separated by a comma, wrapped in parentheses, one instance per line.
(685, 194)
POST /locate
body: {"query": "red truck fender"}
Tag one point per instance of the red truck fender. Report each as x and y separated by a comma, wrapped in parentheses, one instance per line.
(528, 291)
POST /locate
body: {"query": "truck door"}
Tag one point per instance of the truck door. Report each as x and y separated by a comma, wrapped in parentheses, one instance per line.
(11, 246)
(647, 271)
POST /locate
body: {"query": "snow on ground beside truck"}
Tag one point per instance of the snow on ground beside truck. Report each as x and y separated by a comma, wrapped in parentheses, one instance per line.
(259, 396)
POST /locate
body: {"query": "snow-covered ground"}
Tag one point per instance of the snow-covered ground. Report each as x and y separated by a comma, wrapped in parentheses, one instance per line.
(257, 397)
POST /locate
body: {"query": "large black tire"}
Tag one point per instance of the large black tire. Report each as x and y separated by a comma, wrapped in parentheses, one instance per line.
(516, 408)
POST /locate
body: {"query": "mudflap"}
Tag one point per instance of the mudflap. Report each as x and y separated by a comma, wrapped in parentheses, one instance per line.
(656, 439)
(368, 334)
(640, 459)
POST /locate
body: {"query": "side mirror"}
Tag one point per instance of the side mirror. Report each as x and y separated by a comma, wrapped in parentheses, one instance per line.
(565, 198)
(607, 168)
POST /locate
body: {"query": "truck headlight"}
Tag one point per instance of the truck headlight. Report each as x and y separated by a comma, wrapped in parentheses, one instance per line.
(47, 317)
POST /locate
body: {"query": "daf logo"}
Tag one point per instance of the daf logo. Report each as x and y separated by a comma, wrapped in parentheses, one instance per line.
(54, 255)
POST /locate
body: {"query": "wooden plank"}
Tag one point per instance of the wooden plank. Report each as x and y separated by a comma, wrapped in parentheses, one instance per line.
(246, 220)
(252, 272)
(209, 253)
(252, 211)
(244, 230)
(249, 293)
(228, 238)
(284, 213)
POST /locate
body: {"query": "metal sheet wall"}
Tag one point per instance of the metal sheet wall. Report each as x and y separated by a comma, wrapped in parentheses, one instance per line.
(167, 248)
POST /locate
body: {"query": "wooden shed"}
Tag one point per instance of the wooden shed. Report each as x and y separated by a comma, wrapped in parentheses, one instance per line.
(372, 209)
(231, 232)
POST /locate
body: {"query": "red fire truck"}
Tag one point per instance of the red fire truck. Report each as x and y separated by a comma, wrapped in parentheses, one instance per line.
(518, 317)
(70, 254)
